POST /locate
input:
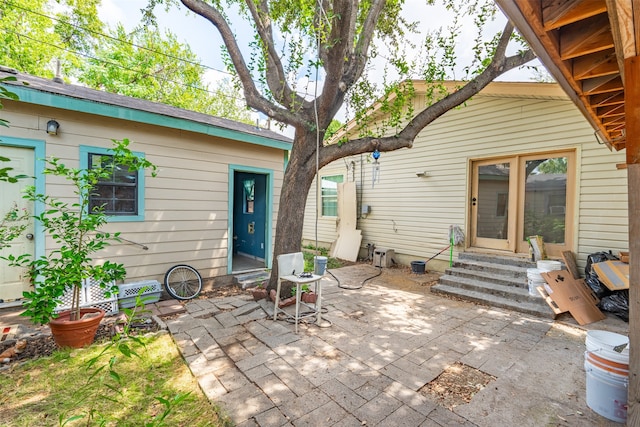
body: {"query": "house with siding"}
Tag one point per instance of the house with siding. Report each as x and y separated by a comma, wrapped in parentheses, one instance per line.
(518, 159)
(213, 204)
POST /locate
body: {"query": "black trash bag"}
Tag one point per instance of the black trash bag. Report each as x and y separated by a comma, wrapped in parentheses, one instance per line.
(597, 286)
(591, 277)
(617, 303)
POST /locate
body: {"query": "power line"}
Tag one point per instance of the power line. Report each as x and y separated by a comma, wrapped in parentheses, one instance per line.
(117, 40)
(114, 64)
(304, 94)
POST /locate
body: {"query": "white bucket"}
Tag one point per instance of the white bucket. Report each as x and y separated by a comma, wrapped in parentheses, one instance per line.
(534, 279)
(607, 374)
(546, 265)
(606, 390)
(602, 343)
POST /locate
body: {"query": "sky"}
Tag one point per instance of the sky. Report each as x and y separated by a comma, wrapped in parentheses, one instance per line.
(205, 42)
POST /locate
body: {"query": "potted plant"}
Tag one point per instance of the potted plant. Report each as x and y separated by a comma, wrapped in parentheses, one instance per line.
(309, 297)
(306, 294)
(75, 229)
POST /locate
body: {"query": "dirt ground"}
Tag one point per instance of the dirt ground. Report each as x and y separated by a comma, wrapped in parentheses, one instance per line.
(400, 278)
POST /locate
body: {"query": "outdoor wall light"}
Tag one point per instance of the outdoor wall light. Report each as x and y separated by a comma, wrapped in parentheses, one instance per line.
(52, 127)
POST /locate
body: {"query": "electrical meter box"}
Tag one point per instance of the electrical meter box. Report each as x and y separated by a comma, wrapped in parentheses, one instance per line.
(383, 257)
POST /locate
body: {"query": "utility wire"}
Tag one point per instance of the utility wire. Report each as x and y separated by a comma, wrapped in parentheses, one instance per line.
(104, 61)
(117, 39)
(303, 94)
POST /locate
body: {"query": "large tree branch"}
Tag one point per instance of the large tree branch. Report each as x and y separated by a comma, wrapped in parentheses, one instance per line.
(346, 59)
(358, 58)
(276, 78)
(498, 66)
(404, 139)
(335, 50)
(252, 96)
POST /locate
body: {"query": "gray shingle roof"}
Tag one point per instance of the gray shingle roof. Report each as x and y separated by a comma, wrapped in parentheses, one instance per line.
(111, 99)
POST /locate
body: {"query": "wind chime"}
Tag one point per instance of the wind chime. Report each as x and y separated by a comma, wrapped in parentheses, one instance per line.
(375, 168)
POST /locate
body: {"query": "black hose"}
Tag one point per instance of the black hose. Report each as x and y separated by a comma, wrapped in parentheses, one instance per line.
(355, 288)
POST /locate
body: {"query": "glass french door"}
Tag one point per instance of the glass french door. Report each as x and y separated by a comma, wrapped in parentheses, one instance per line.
(520, 196)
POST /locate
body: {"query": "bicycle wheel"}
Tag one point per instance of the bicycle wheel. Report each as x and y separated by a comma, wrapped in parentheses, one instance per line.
(183, 282)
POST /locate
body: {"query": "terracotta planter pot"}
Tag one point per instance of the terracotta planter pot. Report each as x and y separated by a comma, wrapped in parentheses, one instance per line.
(76, 333)
(259, 293)
(309, 297)
(283, 302)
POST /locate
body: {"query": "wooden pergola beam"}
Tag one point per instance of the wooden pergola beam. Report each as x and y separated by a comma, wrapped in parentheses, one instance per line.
(632, 108)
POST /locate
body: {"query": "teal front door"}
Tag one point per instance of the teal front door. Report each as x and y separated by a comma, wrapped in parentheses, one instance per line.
(249, 214)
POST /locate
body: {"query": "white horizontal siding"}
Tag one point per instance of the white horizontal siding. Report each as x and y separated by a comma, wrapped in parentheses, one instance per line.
(412, 215)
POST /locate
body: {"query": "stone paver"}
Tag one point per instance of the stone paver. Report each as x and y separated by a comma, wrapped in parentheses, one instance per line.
(369, 367)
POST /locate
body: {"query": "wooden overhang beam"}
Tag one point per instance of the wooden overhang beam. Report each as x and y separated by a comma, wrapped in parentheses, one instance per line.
(573, 39)
(632, 101)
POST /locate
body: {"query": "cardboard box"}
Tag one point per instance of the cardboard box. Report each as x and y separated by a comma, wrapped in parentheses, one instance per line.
(624, 257)
(614, 274)
(573, 296)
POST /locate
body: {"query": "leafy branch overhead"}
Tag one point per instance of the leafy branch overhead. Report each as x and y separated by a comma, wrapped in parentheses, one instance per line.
(341, 38)
(365, 58)
(143, 62)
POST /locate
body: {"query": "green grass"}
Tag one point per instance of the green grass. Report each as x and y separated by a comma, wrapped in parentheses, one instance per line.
(308, 259)
(49, 390)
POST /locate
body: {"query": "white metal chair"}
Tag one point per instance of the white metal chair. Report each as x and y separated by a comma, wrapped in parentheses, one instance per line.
(290, 268)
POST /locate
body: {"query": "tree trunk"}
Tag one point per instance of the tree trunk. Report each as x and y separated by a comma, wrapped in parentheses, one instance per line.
(298, 178)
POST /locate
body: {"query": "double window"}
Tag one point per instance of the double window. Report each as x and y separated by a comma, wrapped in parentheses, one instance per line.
(121, 194)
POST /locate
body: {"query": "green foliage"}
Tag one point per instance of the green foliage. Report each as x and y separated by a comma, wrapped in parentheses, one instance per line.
(309, 264)
(101, 372)
(332, 129)
(145, 63)
(5, 172)
(550, 227)
(12, 225)
(303, 288)
(14, 221)
(31, 40)
(77, 236)
(159, 373)
(5, 93)
(555, 165)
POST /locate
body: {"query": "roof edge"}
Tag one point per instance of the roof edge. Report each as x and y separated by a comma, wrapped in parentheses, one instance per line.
(44, 92)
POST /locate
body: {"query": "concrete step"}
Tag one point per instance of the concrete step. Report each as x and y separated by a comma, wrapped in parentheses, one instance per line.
(528, 307)
(515, 261)
(518, 280)
(252, 279)
(517, 293)
(506, 270)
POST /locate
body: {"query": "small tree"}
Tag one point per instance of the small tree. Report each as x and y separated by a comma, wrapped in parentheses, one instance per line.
(75, 229)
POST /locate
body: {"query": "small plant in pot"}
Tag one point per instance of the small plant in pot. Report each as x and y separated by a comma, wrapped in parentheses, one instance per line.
(306, 294)
(75, 228)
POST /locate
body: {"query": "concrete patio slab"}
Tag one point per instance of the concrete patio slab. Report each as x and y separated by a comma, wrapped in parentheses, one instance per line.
(385, 344)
